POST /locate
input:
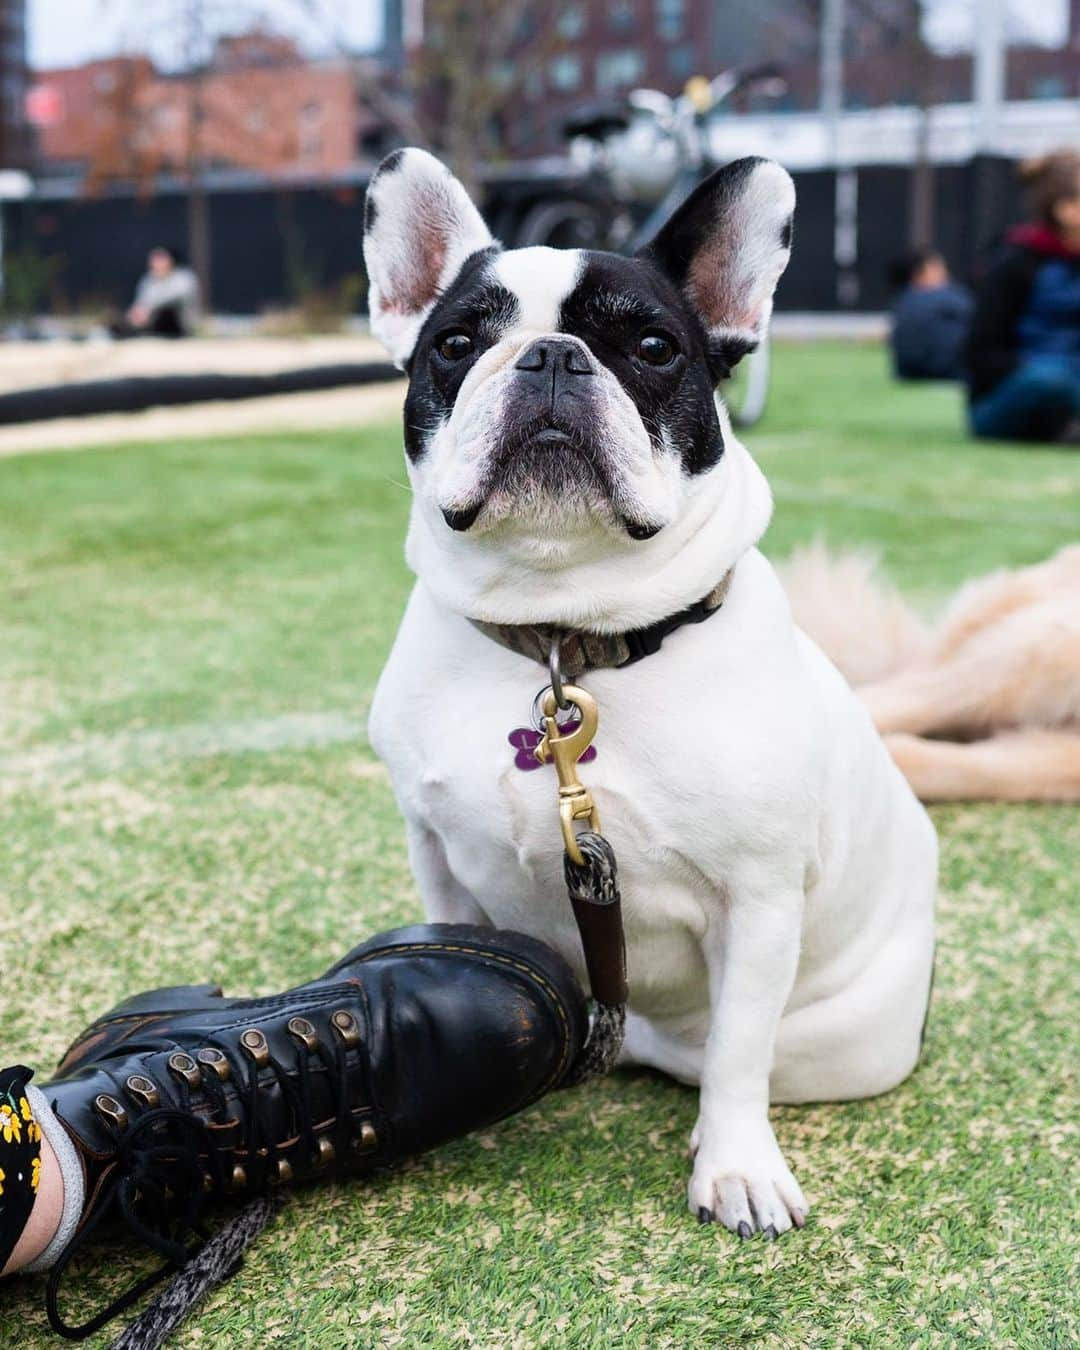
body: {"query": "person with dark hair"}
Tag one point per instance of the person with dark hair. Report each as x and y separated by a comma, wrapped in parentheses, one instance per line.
(1023, 354)
(166, 299)
(929, 319)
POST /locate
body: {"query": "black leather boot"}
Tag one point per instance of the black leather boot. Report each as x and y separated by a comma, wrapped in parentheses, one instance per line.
(416, 1037)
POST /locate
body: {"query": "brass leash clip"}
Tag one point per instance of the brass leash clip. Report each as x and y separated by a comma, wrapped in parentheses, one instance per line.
(566, 745)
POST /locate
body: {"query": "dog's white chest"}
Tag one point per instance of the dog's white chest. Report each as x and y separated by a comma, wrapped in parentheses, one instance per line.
(498, 825)
(669, 777)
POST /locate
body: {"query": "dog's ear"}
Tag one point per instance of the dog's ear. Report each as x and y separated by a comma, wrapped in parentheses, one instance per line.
(726, 247)
(419, 227)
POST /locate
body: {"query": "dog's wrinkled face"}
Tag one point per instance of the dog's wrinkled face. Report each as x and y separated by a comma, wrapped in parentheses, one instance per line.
(566, 394)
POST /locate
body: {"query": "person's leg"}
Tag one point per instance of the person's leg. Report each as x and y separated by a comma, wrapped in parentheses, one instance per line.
(166, 322)
(41, 1190)
(1035, 403)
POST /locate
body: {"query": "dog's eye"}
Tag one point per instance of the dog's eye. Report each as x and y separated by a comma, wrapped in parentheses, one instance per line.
(454, 346)
(657, 349)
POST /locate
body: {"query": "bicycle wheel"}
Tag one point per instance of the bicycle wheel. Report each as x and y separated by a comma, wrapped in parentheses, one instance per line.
(565, 222)
(747, 392)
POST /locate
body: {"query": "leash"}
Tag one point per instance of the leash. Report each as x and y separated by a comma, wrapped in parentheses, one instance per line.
(592, 883)
(217, 1260)
(592, 877)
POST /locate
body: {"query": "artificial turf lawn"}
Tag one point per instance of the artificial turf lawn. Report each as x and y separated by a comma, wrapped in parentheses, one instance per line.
(189, 638)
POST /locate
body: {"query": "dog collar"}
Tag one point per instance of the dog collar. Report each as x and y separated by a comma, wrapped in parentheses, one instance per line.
(581, 651)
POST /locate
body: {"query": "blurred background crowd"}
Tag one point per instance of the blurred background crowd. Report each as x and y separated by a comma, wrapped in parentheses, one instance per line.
(222, 148)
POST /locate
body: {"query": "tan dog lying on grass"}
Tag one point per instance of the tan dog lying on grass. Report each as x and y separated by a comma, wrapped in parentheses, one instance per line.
(982, 704)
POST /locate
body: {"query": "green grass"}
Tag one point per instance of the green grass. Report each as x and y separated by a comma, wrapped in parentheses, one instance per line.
(189, 638)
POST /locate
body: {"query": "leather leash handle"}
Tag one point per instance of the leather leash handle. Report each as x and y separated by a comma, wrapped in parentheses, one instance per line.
(597, 905)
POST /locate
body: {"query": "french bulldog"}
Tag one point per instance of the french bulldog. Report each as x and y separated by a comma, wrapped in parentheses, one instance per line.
(572, 467)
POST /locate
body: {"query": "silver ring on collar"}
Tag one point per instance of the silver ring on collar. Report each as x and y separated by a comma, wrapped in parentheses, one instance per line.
(537, 716)
(555, 671)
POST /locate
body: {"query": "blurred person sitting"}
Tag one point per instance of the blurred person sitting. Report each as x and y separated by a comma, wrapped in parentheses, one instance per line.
(930, 318)
(1023, 354)
(166, 299)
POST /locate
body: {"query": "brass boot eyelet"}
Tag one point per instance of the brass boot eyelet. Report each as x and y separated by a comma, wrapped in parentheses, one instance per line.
(216, 1060)
(304, 1032)
(254, 1042)
(185, 1067)
(143, 1089)
(238, 1181)
(111, 1109)
(284, 1173)
(344, 1023)
(326, 1151)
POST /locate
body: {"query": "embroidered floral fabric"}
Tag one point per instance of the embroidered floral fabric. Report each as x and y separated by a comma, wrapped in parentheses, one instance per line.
(20, 1157)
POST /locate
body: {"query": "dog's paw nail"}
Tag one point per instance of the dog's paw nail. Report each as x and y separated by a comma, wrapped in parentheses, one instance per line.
(770, 1234)
(745, 1230)
(704, 1215)
(798, 1218)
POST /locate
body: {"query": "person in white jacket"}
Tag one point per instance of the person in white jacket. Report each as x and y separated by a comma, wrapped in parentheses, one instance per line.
(166, 299)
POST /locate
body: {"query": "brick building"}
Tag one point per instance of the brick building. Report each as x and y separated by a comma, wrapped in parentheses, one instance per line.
(583, 52)
(15, 134)
(266, 107)
(261, 105)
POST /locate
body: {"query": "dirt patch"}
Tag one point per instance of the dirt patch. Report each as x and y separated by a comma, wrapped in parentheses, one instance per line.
(284, 412)
(35, 365)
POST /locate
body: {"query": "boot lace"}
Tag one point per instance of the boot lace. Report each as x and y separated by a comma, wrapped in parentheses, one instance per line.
(157, 1184)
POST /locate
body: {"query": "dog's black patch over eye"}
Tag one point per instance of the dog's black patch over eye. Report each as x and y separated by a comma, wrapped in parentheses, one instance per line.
(475, 307)
(454, 346)
(638, 324)
(657, 349)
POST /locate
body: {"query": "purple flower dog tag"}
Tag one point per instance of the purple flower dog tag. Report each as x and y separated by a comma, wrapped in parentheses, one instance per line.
(525, 740)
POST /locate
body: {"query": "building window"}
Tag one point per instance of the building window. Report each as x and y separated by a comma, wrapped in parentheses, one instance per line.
(680, 63)
(620, 68)
(571, 22)
(621, 16)
(311, 142)
(670, 19)
(1048, 86)
(165, 116)
(564, 72)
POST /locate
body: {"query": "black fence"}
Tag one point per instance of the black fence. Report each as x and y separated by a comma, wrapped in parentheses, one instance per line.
(273, 245)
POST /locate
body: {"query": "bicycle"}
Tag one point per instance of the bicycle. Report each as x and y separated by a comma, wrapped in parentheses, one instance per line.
(649, 153)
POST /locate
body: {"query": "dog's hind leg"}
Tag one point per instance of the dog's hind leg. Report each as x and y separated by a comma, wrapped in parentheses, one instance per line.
(1022, 672)
(1027, 765)
(647, 1046)
(444, 898)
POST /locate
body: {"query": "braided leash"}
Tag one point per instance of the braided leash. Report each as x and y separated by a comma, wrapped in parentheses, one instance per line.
(214, 1263)
(592, 877)
(594, 895)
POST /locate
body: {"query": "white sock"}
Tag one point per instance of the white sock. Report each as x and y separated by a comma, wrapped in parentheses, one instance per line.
(70, 1171)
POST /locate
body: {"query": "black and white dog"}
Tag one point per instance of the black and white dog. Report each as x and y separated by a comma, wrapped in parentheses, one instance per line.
(571, 467)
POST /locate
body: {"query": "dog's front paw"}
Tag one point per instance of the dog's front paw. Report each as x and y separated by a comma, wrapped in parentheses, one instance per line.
(740, 1179)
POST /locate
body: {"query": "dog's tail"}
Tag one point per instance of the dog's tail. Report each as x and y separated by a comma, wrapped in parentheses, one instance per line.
(860, 621)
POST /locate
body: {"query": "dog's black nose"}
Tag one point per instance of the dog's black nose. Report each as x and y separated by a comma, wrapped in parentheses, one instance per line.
(558, 354)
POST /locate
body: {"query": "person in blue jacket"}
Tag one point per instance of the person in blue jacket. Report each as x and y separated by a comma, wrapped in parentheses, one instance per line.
(929, 319)
(1023, 353)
